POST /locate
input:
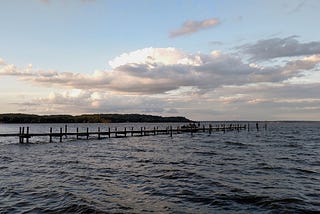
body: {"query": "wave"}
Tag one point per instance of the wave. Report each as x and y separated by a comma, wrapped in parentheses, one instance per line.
(239, 144)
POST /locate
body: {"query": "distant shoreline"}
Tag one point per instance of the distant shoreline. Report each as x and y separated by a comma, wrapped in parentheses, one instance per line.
(88, 118)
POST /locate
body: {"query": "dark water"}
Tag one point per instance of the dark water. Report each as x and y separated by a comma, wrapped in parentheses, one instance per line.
(273, 171)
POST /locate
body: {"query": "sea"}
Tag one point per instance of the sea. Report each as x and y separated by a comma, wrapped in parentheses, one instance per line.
(275, 169)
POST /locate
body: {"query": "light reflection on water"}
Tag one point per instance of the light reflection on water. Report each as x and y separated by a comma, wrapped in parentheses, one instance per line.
(273, 170)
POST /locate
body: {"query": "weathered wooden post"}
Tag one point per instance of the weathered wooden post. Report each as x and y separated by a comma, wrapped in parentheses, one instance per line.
(99, 135)
(61, 134)
(116, 132)
(77, 133)
(109, 132)
(125, 131)
(27, 139)
(20, 133)
(50, 135)
(154, 130)
(170, 131)
(204, 128)
(257, 126)
(141, 131)
(87, 133)
(131, 131)
(210, 128)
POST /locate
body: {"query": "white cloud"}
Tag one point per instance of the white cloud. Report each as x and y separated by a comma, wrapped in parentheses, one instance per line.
(189, 27)
(160, 70)
(2, 62)
(88, 101)
(171, 81)
(166, 56)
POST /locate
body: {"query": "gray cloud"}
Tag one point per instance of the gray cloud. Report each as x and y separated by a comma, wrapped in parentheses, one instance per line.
(216, 43)
(189, 27)
(298, 6)
(271, 101)
(280, 47)
(203, 72)
(97, 102)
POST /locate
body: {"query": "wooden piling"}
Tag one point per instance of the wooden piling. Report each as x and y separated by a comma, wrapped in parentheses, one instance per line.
(87, 133)
(27, 137)
(125, 131)
(99, 135)
(20, 134)
(109, 133)
(61, 135)
(170, 131)
(131, 131)
(50, 136)
(77, 133)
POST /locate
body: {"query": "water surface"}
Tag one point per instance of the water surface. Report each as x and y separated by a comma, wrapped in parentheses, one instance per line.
(273, 170)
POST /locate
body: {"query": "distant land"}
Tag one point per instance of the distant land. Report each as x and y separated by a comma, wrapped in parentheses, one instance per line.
(88, 118)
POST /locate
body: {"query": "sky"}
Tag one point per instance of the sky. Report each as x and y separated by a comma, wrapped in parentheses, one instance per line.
(202, 59)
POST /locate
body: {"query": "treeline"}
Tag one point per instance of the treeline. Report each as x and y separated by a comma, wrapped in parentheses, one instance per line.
(88, 118)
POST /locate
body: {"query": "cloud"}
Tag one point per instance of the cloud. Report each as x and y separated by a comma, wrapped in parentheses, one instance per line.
(2, 62)
(298, 6)
(161, 70)
(189, 27)
(280, 47)
(216, 43)
(93, 101)
(270, 101)
(150, 55)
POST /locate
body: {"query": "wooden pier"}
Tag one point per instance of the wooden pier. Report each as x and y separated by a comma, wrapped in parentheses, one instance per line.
(24, 134)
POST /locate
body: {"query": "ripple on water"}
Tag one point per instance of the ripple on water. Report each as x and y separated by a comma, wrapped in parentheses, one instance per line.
(249, 172)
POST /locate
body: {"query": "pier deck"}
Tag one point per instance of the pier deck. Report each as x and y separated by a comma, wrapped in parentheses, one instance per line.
(24, 132)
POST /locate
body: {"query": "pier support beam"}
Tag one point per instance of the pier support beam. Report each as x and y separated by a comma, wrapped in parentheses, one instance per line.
(50, 135)
(27, 136)
(61, 135)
